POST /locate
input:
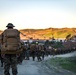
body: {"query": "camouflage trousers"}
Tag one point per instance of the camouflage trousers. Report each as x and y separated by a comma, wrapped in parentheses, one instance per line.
(10, 61)
(1, 62)
(39, 55)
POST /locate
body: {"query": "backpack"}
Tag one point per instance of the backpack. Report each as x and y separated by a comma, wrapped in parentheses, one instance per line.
(11, 40)
(32, 47)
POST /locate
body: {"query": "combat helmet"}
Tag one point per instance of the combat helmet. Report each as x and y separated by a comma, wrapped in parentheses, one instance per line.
(10, 25)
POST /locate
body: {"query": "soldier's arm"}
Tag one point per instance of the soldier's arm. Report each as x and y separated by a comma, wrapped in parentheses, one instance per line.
(1, 38)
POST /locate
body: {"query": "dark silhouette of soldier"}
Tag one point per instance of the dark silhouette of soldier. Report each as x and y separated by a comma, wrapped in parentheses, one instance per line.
(10, 40)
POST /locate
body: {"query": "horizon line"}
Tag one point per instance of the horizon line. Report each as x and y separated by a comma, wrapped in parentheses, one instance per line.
(47, 28)
(40, 28)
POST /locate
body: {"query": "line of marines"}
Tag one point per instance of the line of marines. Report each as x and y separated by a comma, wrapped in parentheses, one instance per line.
(30, 50)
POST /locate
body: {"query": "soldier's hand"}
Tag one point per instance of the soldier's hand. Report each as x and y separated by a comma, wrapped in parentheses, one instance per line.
(18, 55)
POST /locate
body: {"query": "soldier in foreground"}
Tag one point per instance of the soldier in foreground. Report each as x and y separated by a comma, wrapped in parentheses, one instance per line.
(11, 48)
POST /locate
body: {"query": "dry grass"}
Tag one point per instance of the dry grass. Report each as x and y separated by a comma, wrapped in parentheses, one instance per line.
(47, 33)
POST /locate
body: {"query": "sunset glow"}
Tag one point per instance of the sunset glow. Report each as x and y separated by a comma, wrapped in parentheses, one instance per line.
(38, 14)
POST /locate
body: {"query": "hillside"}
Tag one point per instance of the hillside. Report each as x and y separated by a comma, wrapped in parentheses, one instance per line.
(47, 33)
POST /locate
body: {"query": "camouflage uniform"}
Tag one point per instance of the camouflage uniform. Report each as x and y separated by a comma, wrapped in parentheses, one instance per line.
(22, 54)
(42, 54)
(27, 54)
(10, 57)
(42, 51)
(1, 59)
(33, 51)
(38, 52)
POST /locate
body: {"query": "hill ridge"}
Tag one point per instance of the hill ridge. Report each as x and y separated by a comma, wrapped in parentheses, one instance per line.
(46, 33)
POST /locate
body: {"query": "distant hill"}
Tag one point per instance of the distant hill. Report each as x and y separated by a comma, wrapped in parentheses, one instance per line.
(46, 33)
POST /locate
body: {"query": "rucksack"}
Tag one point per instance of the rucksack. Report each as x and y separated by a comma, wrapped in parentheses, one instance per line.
(11, 40)
(32, 47)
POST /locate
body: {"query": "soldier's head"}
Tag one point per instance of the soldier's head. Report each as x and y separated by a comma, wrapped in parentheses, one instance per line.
(10, 25)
